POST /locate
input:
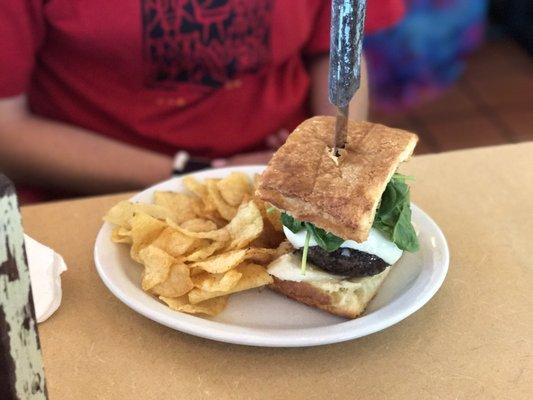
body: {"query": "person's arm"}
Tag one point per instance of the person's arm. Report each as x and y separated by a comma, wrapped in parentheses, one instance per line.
(319, 102)
(45, 153)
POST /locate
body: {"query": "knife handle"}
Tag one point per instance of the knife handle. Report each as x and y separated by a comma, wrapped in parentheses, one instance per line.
(347, 26)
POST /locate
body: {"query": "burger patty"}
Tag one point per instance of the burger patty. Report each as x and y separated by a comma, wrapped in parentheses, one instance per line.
(346, 262)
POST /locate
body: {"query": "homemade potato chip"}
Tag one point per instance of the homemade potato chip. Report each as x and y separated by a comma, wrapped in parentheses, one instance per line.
(121, 235)
(177, 284)
(274, 217)
(220, 235)
(120, 214)
(253, 276)
(195, 187)
(246, 226)
(123, 212)
(199, 225)
(181, 206)
(199, 247)
(200, 190)
(216, 282)
(174, 243)
(215, 217)
(209, 307)
(144, 230)
(224, 209)
(260, 255)
(269, 237)
(205, 251)
(221, 263)
(156, 266)
(234, 187)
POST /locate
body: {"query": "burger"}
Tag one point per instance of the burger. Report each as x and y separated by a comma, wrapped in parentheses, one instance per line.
(347, 215)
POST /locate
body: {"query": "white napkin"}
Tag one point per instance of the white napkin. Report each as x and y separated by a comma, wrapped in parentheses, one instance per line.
(45, 267)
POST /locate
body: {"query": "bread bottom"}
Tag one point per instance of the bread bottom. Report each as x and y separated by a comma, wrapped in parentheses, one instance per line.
(344, 298)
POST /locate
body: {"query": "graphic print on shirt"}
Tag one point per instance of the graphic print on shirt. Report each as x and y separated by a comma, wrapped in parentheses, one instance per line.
(204, 42)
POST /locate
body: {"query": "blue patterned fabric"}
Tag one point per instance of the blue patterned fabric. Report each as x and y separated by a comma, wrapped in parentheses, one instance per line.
(425, 52)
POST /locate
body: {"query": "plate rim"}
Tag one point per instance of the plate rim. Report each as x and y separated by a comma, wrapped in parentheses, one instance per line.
(263, 337)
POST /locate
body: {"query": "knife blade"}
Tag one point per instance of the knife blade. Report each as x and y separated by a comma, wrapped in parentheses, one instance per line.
(346, 42)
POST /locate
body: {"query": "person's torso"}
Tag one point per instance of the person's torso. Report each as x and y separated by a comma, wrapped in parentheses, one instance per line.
(211, 76)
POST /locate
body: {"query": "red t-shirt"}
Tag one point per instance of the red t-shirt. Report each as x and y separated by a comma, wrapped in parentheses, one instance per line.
(211, 76)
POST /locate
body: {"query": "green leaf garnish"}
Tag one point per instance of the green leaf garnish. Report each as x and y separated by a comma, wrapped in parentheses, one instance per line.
(393, 216)
(328, 241)
(293, 224)
(403, 177)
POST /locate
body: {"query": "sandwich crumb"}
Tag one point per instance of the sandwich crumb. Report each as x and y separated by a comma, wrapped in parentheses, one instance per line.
(333, 156)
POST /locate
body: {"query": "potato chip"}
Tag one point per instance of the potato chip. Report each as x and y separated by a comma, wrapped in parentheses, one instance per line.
(200, 190)
(284, 248)
(225, 210)
(144, 230)
(222, 262)
(120, 214)
(217, 282)
(195, 187)
(253, 276)
(175, 243)
(215, 217)
(210, 307)
(181, 206)
(246, 226)
(274, 217)
(220, 235)
(121, 235)
(269, 237)
(234, 187)
(205, 252)
(199, 247)
(196, 271)
(269, 213)
(156, 266)
(123, 212)
(260, 255)
(199, 225)
(177, 284)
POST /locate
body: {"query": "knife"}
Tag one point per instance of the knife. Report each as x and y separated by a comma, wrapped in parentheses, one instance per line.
(347, 25)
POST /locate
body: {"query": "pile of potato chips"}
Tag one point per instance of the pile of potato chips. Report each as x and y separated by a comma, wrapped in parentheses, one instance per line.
(201, 246)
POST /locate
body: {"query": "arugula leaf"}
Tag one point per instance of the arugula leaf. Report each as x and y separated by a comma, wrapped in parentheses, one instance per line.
(293, 224)
(328, 241)
(404, 234)
(403, 177)
(393, 217)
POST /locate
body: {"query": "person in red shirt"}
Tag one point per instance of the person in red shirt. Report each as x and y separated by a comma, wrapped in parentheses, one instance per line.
(97, 96)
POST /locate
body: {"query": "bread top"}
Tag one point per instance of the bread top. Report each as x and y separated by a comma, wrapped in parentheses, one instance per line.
(303, 178)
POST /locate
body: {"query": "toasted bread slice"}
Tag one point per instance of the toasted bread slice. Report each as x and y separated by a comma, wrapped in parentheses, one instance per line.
(340, 194)
(337, 299)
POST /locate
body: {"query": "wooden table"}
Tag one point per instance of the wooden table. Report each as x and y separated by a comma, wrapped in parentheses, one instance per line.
(473, 340)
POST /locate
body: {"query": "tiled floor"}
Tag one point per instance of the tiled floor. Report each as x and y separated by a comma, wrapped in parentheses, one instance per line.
(491, 104)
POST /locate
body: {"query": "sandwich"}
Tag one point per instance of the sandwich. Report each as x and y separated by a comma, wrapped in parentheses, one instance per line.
(347, 215)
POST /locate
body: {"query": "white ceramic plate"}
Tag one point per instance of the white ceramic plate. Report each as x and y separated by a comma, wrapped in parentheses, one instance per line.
(264, 318)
